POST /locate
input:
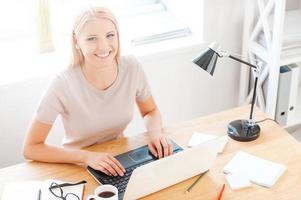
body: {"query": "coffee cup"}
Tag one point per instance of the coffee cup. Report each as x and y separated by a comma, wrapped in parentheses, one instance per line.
(104, 192)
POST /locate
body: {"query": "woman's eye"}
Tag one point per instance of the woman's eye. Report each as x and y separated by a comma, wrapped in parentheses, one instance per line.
(91, 38)
(110, 35)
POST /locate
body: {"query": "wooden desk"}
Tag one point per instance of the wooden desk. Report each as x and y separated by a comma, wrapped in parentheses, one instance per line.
(274, 144)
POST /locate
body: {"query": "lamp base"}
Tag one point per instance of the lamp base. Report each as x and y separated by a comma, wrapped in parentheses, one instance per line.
(242, 130)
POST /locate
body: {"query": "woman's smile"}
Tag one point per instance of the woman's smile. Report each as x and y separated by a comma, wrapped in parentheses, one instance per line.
(103, 55)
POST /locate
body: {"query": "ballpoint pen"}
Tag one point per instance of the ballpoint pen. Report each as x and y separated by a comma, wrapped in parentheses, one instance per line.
(219, 197)
(195, 182)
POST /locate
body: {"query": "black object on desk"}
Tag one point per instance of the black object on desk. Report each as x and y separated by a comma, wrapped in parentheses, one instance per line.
(240, 130)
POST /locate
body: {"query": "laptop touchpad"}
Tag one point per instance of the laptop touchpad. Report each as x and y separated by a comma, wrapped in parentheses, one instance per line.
(140, 155)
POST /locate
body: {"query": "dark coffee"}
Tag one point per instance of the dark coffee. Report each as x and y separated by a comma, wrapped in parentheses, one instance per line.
(106, 194)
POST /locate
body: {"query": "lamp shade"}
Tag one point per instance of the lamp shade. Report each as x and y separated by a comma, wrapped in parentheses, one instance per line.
(207, 59)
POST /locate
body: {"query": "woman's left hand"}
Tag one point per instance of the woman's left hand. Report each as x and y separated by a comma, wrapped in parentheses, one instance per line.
(160, 146)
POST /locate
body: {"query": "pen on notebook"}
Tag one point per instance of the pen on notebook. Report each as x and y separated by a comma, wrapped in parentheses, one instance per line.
(195, 182)
(219, 197)
(39, 194)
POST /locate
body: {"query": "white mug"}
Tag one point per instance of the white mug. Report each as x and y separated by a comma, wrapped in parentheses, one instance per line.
(105, 190)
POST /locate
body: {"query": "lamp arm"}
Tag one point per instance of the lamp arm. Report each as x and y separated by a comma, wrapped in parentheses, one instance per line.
(253, 99)
(251, 121)
(244, 62)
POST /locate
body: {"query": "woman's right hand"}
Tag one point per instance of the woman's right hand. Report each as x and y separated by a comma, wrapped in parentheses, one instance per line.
(105, 162)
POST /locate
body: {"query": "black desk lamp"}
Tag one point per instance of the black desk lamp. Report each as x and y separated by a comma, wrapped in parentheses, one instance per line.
(241, 130)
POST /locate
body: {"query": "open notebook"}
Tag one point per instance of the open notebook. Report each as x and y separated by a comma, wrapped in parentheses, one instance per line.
(257, 170)
(29, 190)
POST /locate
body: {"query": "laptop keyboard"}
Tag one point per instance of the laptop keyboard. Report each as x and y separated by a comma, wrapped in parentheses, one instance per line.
(121, 181)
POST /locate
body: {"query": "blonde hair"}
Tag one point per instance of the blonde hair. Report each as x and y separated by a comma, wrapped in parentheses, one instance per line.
(77, 57)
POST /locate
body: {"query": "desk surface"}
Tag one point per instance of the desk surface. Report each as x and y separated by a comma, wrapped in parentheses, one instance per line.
(274, 144)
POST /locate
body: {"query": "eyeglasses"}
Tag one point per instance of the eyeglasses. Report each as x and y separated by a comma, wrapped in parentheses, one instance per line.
(57, 191)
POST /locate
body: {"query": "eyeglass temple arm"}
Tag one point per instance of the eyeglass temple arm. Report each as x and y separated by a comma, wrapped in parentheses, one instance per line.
(67, 184)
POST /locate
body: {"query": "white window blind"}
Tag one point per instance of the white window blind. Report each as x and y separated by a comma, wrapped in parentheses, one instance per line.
(140, 21)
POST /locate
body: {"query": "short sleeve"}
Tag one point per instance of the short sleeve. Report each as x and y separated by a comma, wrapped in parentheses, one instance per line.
(50, 106)
(143, 88)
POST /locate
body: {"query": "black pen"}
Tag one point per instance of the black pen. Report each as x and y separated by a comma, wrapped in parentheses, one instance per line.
(195, 182)
(39, 194)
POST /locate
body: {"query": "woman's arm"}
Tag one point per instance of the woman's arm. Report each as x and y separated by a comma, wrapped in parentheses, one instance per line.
(159, 145)
(35, 148)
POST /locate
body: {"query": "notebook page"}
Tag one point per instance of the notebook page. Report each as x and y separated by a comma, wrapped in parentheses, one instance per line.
(257, 170)
(25, 190)
(200, 138)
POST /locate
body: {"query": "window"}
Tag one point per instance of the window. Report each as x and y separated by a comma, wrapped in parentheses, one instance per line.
(142, 22)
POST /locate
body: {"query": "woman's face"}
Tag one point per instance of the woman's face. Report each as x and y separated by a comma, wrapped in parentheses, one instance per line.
(98, 42)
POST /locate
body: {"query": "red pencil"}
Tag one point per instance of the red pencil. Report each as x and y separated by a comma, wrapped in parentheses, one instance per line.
(221, 193)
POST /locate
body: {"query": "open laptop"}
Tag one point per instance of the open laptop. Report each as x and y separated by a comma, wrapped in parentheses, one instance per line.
(154, 175)
(130, 160)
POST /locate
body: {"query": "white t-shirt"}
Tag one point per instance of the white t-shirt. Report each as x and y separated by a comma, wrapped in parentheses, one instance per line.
(91, 115)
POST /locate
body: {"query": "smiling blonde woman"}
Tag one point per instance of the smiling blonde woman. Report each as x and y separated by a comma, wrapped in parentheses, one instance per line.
(95, 97)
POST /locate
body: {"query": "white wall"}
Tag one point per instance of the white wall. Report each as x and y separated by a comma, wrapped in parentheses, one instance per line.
(17, 102)
(181, 90)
